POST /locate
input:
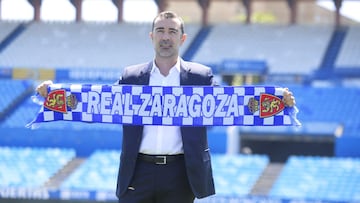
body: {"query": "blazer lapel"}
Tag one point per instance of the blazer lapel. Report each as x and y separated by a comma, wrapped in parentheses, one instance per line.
(144, 77)
(184, 70)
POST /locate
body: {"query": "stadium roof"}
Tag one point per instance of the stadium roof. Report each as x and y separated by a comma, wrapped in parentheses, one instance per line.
(127, 10)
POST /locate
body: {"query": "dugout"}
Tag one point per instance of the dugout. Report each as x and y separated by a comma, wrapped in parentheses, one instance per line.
(240, 71)
(311, 139)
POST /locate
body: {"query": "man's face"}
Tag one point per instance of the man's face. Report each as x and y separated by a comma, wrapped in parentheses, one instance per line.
(167, 37)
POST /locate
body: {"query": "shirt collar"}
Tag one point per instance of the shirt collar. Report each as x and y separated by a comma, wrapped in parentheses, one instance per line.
(155, 68)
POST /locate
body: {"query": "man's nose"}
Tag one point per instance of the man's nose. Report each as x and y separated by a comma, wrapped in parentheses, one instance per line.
(166, 36)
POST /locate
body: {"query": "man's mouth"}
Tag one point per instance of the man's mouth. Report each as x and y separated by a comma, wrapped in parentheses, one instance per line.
(165, 45)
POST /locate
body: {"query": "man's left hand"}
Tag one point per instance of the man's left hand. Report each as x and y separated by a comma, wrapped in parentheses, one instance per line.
(288, 98)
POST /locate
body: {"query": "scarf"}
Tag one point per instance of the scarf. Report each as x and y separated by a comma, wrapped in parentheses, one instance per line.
(164, 105)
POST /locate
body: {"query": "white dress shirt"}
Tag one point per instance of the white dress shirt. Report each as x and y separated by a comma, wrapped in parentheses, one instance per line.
(162, 140)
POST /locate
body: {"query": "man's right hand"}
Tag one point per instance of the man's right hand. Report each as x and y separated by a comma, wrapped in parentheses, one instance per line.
(42, 88)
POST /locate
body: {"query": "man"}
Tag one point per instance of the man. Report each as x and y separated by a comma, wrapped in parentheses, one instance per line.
(165, 164)
(187, 172)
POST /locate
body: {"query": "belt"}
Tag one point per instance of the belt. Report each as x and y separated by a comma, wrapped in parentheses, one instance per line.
(159, 159)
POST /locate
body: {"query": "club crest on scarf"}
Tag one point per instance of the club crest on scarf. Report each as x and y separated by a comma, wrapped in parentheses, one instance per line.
(58, 101)
(270, 105)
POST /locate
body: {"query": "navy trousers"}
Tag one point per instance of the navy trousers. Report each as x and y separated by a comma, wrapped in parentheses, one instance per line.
(155, 183)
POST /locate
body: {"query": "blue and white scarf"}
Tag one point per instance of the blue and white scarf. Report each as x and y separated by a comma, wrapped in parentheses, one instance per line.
(157, 105)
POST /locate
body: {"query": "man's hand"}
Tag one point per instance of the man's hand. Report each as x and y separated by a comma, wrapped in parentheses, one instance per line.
(288, 98)
(42, 88)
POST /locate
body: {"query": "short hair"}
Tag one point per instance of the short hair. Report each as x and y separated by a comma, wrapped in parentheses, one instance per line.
(169, 15)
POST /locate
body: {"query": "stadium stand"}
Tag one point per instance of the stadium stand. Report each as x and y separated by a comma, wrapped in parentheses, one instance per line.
(319, 178)
(98, 172)
(280, 46)
(99, 51)
(22, 115)
(13, 92)
(333, 48)
(31, 167)
(6, 27)
(350, 51)
(324, 113)
(92, 45)
(21, 110)
(235, 175)
(329, 104)
(219, 140)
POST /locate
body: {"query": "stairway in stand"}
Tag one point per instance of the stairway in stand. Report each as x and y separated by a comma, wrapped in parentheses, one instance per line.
(58, 178)
(267, 179)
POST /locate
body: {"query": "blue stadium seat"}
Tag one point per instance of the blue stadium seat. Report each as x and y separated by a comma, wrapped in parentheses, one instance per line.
(31, 167)
(10, 91)
(217, 138)
(98, 172)
(235, 175)
(319, 178)
(329, 104)
(77, 38)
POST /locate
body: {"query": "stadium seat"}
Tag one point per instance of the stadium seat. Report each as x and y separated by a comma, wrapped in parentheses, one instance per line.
(350, 51)
(280, 46)
(6, 27)
(329, 104)
(92, 45)
(235, 175)
(98, 172)
(11, 91)
(31, 167)
(319, 178)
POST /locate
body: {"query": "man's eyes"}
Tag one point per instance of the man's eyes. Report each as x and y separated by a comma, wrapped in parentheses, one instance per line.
(170, 31)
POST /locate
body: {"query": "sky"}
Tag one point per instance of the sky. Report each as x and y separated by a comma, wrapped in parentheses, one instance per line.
(53, 10)
(349, 8)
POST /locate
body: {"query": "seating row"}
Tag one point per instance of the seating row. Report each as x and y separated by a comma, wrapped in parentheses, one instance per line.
(31, 167)
(285, 50)
(302, 177)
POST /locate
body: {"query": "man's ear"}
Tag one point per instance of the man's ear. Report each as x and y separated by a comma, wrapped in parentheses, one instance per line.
(183, 38)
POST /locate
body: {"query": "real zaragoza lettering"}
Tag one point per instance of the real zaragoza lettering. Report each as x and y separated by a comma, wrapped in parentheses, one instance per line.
(155, 105)
(193, 106)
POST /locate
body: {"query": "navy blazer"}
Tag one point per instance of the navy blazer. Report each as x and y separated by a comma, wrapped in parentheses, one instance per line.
(196, 150)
